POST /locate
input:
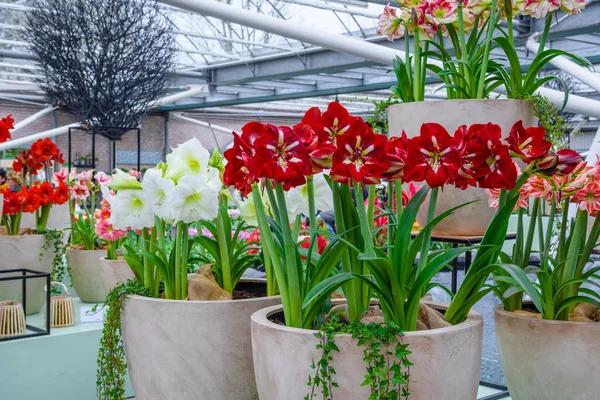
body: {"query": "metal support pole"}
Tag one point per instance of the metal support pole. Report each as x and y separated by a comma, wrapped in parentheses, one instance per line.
(166, 116)
(139, 150)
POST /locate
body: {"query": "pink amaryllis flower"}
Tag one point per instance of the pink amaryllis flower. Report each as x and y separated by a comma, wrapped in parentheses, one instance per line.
(389, 24)
(135, 173)
(106, 231)
(80, 192)
(441, 12)
(60, 177)
(192, 232)
(102, 178)
(588, 198)
(572, 6)
(494, 199)
(85, 177)
(540, 8)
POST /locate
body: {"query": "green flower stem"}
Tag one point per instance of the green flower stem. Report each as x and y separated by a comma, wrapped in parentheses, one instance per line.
(312, 218)
(563, 234)
(530, 233)
(463, 46)
(371, 204)
(157, 241)
(272, 199)
(185, 252)
(585, 256)
(399, 209)
(178, 239)
(293, 270)
(427, 237)
(365, 226)
(550, 228)
(267, 239)
(518, 250)
(296, 228)
(390, 228)
(417, 66)
(148, 275)
(540, 230)
(111, 252)
(509, 21)
(223, 251)
(573, 255)
(352, 289)
(545, 32)
(270, 276)
(486, 52)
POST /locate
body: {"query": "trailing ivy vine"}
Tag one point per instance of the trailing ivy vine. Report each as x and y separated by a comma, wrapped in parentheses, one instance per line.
(551, 120)
(60, 268)
(386, 356)
(112, 366)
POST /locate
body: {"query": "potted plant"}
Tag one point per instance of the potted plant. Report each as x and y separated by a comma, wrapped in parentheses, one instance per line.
(558, 329)
(161, 309)
(31, 247)
(113, 267)
(360, 158)
(86, 247)
(469, 74)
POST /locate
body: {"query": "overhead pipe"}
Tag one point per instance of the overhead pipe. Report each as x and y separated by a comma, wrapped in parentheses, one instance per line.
(61, 130)
(564, 64)
(348, 45)
(33, 117)
(202, 123)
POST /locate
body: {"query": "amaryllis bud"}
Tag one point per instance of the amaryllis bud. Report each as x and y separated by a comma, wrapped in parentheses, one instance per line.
(547, 164)
(563, 162)
(568, 160)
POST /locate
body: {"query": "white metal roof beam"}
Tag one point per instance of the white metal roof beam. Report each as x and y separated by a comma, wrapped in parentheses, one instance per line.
(333, 7)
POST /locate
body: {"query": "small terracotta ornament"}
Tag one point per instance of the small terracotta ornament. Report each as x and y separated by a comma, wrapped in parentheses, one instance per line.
(12, 319)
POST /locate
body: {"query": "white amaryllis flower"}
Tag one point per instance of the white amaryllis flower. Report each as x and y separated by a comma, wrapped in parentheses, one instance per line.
(189, 158)
(159, 191)
(297, 198)
(130, 209)
(196, 198)
(248, 208)
(123, 181)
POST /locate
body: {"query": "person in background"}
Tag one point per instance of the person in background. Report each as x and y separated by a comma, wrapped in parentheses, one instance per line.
(3, 181)
(14, 182)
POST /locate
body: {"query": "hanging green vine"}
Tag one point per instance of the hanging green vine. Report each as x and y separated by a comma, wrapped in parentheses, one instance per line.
(60, 268)
(387, 372)
(112, 366)
(551, 120)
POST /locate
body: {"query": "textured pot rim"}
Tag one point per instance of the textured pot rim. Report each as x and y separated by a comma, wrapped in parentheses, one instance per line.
(84, 250)
(36, 235)
(434, 102)
(500, 311)
(474, 319)
(214, 302)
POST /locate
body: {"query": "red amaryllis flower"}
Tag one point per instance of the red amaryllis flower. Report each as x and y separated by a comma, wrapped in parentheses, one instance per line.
(13, 202)
(502, 169)
(6, 124)
(321, 243)
(432, 156)
(319, 153)
(281, 156)
(588, 198)
(360, 155)
(473, 153)
(254, 239)
(45, 192)
(562, 162)
(61, 194)
(33, 199)
(528, 144)
(335, 122)
(240, 170)
(395, 149)
(44, 150)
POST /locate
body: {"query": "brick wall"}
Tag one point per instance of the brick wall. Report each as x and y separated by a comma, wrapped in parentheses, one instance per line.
(152, 134)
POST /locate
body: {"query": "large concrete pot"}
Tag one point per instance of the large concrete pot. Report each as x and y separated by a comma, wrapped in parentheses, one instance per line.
(474, 218)
(59, 218)
(87, 274)
(113, 272)
(545, 360)
(446, 361)
(188, 350)
(24, 251)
